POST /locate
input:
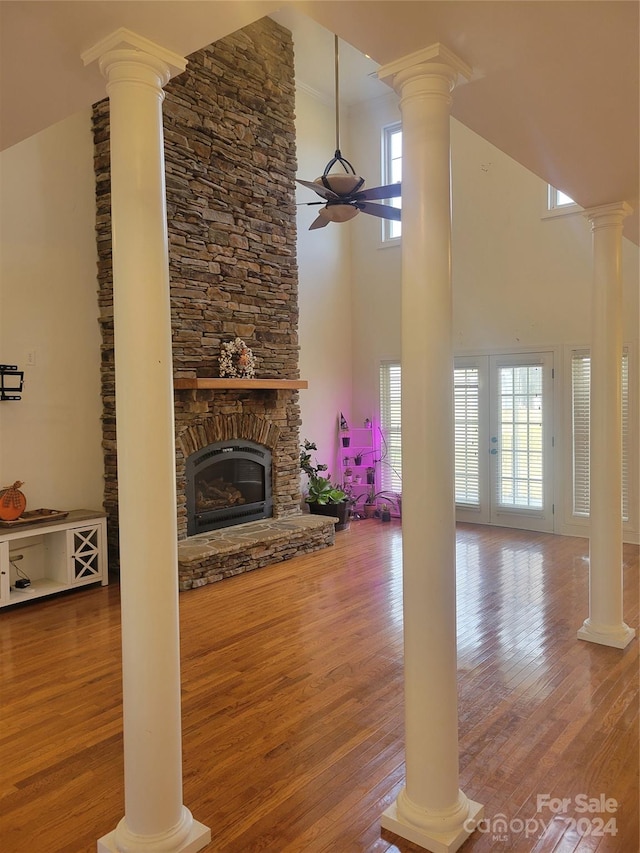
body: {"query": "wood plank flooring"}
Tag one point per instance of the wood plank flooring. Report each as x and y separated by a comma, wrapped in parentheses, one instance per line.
(293, 703)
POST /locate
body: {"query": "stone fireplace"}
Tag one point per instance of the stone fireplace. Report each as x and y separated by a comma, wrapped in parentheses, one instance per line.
(258, 418)
(261, 434)
(230, 165)
(227, 483)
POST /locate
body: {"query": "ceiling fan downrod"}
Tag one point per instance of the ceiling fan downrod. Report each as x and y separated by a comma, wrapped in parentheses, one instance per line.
(342, 194)
(337, 157)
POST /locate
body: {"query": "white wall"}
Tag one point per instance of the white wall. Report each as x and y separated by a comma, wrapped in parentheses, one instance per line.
(51, 439)
(520, 280)
(376, 268)
(324, 289)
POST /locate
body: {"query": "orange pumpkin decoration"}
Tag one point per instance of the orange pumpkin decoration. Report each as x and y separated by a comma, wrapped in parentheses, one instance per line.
(12, 502)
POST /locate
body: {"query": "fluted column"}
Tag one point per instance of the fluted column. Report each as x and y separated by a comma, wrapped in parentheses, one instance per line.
(155, 819)
(430, 810)
(605, 623)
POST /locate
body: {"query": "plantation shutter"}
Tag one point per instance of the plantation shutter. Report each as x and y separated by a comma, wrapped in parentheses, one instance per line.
(391, 423)
(467, 435)
(625, 436)
(581, 407)
(581, 396)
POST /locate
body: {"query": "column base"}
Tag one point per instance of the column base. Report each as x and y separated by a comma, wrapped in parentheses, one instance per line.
(618, 637)
(435, 842)
(199, 836)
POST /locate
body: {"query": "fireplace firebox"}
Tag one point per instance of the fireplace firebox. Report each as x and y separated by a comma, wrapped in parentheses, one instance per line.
(228, 483)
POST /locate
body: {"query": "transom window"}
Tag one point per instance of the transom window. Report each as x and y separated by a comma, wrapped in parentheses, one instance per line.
(557, 200)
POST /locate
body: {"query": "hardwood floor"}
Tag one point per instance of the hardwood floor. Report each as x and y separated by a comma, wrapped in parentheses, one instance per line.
(293, 702)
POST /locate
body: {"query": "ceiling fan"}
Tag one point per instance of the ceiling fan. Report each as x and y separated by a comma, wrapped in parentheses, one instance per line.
(342, 194)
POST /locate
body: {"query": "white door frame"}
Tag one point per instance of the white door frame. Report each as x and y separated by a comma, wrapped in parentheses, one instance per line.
(489, 510)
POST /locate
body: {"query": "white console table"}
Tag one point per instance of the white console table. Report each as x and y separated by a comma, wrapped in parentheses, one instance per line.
(55, 555)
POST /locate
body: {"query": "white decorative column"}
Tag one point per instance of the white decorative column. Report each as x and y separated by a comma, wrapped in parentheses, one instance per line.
(605, 624)
(155, 819)
(430, 810)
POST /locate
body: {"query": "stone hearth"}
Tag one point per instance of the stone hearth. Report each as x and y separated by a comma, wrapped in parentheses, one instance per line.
(218, 554)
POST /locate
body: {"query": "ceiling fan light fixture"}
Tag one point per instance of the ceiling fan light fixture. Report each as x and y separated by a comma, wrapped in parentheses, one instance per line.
(339, 183)
(338, 212)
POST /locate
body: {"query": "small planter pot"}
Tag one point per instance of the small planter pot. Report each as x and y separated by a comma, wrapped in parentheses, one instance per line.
(385, 515)
(346, 440)
(369, 510)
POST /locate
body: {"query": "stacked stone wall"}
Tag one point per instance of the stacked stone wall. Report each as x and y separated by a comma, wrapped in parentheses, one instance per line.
(230, 167)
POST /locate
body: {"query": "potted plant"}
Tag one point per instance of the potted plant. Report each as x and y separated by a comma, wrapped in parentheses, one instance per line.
(384, 511)
(359, 456)
(370, 503)
(344, 426)
(323, 496)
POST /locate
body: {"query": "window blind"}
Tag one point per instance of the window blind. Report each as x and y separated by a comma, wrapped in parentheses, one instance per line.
(467, 431)
(391, 423)
(467, 435)
(581, 410)
(581, 406)
(625, 436)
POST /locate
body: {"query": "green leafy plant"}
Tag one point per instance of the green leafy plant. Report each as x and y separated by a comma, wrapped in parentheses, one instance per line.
(320, 488)
(372, 495)
(389, 498)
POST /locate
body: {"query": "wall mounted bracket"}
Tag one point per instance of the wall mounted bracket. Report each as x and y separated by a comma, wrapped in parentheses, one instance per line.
(9, 386)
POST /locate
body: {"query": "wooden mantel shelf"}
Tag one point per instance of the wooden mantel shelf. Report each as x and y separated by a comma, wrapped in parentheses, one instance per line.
(245, 384)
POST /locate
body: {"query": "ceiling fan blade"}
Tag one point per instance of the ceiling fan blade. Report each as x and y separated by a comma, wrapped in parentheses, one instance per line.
(319, 222)
(388, 191)
(384, 211)
(328, 194)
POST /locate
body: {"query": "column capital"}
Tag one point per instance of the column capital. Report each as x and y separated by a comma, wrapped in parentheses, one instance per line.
(124, 44)
(608, 215)
(435, 60)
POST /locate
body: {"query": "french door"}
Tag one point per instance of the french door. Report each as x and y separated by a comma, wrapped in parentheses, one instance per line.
(504, 440)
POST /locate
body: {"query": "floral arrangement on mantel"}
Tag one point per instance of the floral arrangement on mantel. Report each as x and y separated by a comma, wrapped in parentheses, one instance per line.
(236, 360)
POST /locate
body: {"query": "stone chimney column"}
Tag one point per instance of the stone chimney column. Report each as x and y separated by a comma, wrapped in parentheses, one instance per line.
(430, 810)
(155, 819)
(605, 624)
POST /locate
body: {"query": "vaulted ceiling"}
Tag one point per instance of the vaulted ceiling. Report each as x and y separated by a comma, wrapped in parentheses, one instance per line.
(555, 83)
